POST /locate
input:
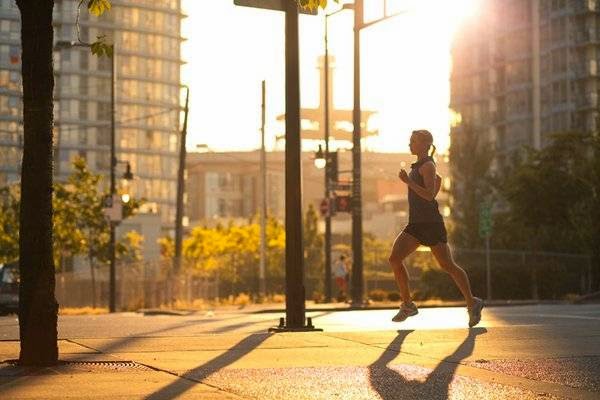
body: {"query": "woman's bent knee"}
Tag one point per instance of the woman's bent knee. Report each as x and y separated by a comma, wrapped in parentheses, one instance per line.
(395, 259)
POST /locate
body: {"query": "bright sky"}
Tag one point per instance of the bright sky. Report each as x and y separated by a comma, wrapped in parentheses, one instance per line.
(405, 65)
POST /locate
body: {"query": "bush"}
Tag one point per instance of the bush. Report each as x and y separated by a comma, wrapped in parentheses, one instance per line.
(278, 298)
(242, 300)
(393, 296)
(377, 295)
(318, 297)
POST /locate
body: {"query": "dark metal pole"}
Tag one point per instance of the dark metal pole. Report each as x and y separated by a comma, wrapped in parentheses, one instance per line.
(181, 188)
(357, 242)
(294, 254)
(113, 189)
(262, 285)
(327, 167)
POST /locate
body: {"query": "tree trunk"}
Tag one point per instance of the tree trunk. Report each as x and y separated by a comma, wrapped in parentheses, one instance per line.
(93, 276)
(38, 308)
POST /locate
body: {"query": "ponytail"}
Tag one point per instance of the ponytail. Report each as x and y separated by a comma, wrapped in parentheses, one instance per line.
(432, 151)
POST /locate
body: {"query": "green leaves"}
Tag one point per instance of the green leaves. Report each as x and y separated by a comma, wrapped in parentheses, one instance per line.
(313, 4)
(79, 223)
(98, 7)
(470, 165)
(9, 223)
(101, 48)
(551, 192)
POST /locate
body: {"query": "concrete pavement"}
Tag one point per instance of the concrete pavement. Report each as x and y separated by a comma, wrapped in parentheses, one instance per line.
(517, 352)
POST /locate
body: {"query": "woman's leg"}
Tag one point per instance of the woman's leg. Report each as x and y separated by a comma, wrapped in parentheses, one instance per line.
(442, 254)
(403, 246)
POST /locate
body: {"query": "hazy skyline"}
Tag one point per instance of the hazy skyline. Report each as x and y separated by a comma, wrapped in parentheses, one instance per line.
(405, 65)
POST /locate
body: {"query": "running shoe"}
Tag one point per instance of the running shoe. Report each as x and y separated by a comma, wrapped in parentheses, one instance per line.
(475, 312)
(406, 310)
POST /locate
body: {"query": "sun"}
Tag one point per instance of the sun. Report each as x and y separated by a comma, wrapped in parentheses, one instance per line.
(456, 12)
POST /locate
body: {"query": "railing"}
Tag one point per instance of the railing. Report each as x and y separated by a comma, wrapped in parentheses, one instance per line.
(515, 275)
(139, 285)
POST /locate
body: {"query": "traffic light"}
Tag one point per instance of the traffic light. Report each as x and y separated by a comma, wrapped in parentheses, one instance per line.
(343, 203)
(332, 166)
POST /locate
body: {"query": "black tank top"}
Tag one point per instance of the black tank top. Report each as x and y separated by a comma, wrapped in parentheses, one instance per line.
(419, 209)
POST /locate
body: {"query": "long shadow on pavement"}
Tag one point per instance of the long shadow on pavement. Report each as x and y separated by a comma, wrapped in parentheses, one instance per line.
(203, 371)
(391, 384)
(228, 328)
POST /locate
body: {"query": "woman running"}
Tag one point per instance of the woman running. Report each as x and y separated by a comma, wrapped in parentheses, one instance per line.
(426, 227)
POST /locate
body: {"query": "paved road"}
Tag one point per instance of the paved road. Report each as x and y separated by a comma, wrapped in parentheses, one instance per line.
(570, 317)
(524, 352)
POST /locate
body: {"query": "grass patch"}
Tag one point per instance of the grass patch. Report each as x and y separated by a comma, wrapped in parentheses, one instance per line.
(82, 311)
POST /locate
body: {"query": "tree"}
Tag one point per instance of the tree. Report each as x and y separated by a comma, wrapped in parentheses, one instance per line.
(129, 248)
(567, 173)
(9, 223)
(38, 308)
(313, 248)
(167, 248)
(231, 253)
(69, 239)
(470, 162)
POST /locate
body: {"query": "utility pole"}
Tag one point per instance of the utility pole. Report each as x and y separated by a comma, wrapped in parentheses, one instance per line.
(357, 237)
(327, 178)
(263, 213)
(181, 188)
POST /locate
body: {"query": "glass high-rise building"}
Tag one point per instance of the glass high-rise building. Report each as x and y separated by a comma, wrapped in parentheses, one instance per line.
(525, 69)
(147, 34)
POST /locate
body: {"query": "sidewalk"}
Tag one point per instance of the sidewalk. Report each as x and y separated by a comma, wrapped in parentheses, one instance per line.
(499, 362)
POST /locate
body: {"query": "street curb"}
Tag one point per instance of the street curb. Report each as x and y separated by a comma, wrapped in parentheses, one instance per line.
(394, 307)
(179, 313)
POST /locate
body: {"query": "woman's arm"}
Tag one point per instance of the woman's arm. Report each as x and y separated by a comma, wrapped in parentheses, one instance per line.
(438, 184)
(431, 189)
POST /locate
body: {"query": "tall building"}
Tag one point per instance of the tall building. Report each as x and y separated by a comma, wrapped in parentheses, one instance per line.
(147, 37)
(525, 69)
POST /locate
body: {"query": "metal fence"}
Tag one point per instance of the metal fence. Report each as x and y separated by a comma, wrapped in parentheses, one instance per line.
(138, 285)
(518, 275)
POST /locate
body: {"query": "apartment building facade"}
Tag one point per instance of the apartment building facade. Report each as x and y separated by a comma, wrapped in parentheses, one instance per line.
(526, 69)
(147, 37)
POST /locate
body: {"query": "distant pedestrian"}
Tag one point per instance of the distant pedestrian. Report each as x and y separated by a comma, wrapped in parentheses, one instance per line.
(426, 227)
(340, 272)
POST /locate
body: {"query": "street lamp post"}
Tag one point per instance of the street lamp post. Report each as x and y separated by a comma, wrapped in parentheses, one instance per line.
(113, 163)
(112, 305)
(357, 239)
(347, 6)
(181, 187)
(357, 234)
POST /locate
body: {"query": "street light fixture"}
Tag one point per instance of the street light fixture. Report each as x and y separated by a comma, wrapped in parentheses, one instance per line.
(320, 161)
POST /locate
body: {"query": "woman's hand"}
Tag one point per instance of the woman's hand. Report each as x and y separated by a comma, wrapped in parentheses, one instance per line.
(403, 176)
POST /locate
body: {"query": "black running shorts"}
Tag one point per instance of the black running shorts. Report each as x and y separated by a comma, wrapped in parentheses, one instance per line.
(427, 233)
